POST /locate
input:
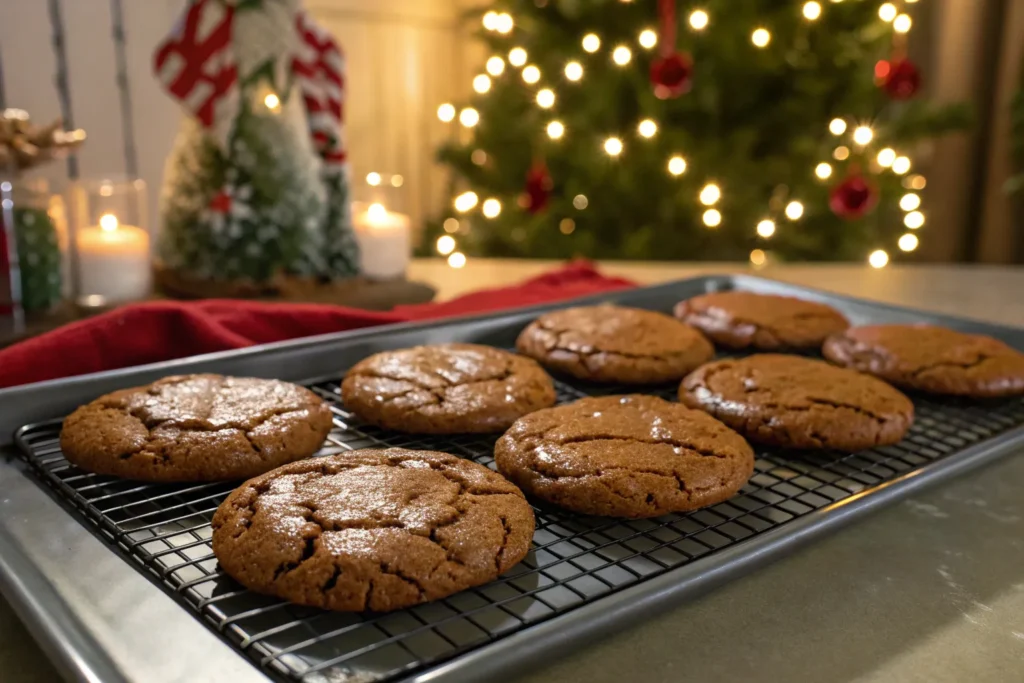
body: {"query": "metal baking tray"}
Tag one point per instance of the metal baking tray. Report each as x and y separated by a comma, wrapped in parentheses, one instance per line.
(85, 598)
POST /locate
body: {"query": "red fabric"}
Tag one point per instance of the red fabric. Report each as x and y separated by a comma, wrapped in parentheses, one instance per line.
(163, 330)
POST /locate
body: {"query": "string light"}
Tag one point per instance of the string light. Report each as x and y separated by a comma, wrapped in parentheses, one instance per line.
(886, 157)
(491, 208)
(698, 20)
(900, 165)
(841, 153)
(566, 226)
(469, 117)
(709, 194)
(531, 74)
(621, 55)
(766, 228)
(446, 112)
(272, 102)
(758, 257)
(910, 202)
(648, 39)
(574, 71)
(915, 182)
(823, 170)
(457, 260)
(466, 201)
(794, 210)
(712, 218)
(373, 179)
(451, 225)
(546, 98)
(812, 11)
(591, 43)
(580, 202)
(517, 56)
(495, 65)
(908, 242)
(677, 165)
(647, 128)
(478, 157)
(878, 258)
(445, 245)
(504, 23)
(760, 37)
(490, 21)
(482, 83)
(613, 146)
(862, 135)
(837, 126)
(556, 130)
(887, 12)
(914, 220)
(902, 23)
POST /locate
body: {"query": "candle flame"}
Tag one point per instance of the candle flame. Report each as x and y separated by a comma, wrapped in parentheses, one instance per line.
(377, 213)
(108, 222)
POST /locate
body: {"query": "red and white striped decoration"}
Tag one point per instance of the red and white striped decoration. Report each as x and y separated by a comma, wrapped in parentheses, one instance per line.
(319, 69)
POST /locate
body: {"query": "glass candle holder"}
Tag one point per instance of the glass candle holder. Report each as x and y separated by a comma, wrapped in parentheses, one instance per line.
(110, 247)
(382, 230)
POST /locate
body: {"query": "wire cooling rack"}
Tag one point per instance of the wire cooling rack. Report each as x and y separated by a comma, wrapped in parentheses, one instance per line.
(165, 530)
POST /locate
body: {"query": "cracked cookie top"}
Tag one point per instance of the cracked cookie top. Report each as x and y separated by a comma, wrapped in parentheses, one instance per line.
(625, 456)
(798, 402)
(615, 344)
(196, 428)
(372, 529)
(446, 389)
(740, 320)
(930, 358)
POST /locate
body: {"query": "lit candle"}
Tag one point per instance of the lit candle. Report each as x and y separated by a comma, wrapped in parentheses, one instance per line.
(113, 261)
(383, 238)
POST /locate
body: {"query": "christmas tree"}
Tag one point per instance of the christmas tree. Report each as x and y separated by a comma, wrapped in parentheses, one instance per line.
(725, 130)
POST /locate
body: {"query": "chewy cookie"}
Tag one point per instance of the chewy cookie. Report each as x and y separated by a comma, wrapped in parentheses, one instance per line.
(624, 456)
(615, 344)
(446, 389)
(932, 359)
(372, 530)
(740, 320)
(196, 428)
(800, 403)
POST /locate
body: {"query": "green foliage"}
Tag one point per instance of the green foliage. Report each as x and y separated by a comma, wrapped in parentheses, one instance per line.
(1015, 184)
(755, 122)
(39, 258)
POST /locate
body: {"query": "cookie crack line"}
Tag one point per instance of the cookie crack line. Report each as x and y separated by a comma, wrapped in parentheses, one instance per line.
(703, 452)
(585, 355)
(502, 376)
(981, 360)
(598, 474)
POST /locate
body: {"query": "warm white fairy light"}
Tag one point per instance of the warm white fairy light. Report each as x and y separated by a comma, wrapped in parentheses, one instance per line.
(373, 179)
(914, 220)
(677, 165)
(613, 146)
(698, 20)
(862, 135)
(517, 56)
(908, 242)
(591, 43)
(566, 226)
(886, 157)
(457, 260)
(915, 182)
(887, 12)
(621, 55)
(466, 201)
(446, 112)
(648, 39)
(495, 65)
(445, 245)
(709, 194)
(574, 71)
(902, 23)
(482, 83)
(531, 74)
(546, 98)
(823, 170)
(900, 165)
(490, 21)
(841, 153)
(712, 218)
(758, 257)
(272, 102)
(580, 201)
(504, 23)
(794, 210)
(766, 228)
(760, 37)
(556, 130)
(837, 126)
(451, 225)
(478, 157)
(811, 10)
(878, 258)
(647, 128)
(491, 208)
(469, 117)
(910, 202)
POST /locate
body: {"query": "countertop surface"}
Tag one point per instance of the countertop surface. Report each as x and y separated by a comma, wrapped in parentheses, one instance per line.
(930, 589)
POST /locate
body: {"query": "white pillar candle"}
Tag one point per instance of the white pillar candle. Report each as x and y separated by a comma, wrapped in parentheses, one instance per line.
(384, 241)
(113, 261)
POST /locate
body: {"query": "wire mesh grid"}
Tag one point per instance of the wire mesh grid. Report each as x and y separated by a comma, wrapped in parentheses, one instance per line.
(575, 559)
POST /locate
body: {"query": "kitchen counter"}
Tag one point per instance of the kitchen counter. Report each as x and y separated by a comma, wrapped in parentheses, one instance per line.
(931, 589)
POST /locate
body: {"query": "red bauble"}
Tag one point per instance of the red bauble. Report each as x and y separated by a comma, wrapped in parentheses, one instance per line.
(900, 78)
(853, 197)
(221, 202)
(672, 75)
(538, 187)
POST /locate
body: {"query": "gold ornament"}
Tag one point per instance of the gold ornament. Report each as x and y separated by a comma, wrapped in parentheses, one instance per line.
(23, 145)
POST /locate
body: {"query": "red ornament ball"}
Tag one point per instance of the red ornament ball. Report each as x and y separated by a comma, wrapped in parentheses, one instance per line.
(672, 75)
(221, 202)
(538, 188)
(899, 78)
(853, 197)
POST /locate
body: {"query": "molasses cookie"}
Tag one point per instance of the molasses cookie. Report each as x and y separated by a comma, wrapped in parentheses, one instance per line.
(932, 359)
(798, 402)
(615, 344)
(196, 428)
(446, 389)
(624, 456)
(372, 530)
(740, 320)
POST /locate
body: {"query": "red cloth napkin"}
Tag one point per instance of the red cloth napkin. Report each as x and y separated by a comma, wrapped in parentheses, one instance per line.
(163, 330)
